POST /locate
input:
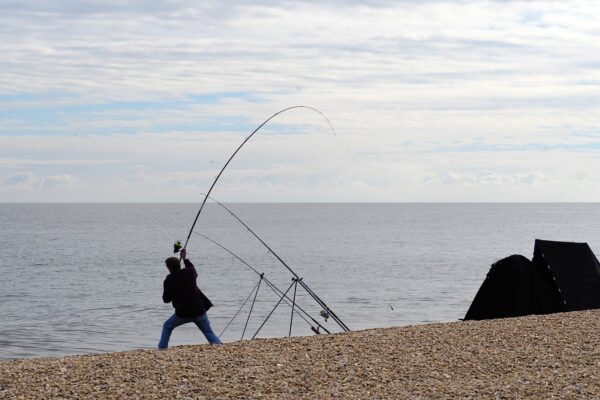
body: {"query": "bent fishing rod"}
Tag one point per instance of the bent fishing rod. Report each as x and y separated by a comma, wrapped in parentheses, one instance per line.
(300, 281)
(282, 295)
(178, 246)
(236, 151)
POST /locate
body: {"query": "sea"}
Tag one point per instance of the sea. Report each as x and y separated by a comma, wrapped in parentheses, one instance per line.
(88, 278)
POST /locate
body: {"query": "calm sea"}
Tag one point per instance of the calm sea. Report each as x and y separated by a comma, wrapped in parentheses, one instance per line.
(87, 278)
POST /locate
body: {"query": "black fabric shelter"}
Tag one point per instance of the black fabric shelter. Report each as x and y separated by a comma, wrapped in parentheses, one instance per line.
(562, 276)
(575, 269)
(514, 287)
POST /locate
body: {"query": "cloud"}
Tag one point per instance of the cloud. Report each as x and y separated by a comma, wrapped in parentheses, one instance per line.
(181, 46)
(56, 181)
(423, 94)
(21, 180)
(488, 178)
(27, 180)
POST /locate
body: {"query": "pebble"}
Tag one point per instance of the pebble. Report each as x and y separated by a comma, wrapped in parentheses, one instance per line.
(549, 356)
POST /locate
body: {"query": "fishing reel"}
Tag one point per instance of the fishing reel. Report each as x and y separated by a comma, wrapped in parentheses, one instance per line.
(324, 314)
(176, 247)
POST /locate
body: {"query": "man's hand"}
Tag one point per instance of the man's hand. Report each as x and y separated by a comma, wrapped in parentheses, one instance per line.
(183, 254)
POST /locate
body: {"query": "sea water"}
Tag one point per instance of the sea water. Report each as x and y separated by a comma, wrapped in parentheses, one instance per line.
(87, 278)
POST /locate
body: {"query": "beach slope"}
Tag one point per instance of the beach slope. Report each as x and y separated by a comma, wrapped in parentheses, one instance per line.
(531, 357)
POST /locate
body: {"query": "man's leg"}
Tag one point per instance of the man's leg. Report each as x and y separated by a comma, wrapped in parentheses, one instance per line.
(168, 327)
(204, 325)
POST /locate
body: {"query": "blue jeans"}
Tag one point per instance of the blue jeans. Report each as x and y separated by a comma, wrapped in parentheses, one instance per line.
(201, 322)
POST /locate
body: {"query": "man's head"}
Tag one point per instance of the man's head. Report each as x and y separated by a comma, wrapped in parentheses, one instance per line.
(173, 264)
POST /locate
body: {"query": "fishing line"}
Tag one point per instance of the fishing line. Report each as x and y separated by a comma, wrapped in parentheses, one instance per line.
(238, 149)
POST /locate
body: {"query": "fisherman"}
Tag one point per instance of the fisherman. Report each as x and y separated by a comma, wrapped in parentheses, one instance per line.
(189, 302)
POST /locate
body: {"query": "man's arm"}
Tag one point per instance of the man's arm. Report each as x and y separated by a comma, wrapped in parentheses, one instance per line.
(188, 263)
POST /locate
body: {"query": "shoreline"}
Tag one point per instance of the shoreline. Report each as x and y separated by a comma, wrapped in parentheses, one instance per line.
(535, 356)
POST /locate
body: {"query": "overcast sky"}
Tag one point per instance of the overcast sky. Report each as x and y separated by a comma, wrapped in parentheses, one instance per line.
(431, 100)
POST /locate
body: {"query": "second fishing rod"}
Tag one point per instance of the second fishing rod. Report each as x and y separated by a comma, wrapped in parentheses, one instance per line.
(317, 299)
(281, 294)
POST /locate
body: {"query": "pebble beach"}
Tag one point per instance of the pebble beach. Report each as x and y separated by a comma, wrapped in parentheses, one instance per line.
(551, 356)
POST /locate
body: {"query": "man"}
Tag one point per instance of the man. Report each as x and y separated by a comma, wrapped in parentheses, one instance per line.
(189, 302)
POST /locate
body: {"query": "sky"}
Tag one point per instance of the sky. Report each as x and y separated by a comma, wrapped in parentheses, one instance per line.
(431, 101)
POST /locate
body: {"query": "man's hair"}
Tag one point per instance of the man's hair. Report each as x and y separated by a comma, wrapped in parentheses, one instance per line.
(173, 264)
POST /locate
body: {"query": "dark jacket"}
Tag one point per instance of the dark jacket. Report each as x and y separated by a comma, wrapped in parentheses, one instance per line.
(180, 288)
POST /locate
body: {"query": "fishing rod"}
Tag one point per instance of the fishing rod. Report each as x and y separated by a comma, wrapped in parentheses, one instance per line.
(238, 149)
(327, 311)
(272, 286)
(325, 307)
(254, 234)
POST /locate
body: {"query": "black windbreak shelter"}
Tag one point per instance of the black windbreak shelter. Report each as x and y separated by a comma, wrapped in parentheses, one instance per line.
(562, 276)
(575, 271)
